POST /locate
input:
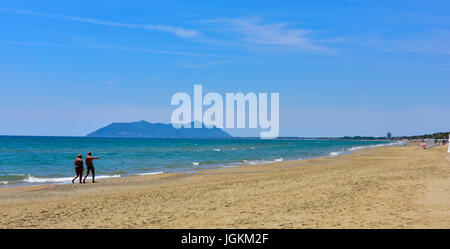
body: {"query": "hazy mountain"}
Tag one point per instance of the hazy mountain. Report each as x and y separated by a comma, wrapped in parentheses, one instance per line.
(145, 129)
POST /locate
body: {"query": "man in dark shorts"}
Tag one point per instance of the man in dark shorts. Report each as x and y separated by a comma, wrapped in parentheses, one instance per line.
(90, 167)
(78, 168)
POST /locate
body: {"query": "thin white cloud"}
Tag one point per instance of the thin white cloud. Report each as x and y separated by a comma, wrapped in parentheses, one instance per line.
(253, 31)
(33, 44)
(203, 65)
(181, 32)
(437, 43)
(104, 46)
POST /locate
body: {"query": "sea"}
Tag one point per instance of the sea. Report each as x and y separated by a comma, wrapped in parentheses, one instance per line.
(26, 160)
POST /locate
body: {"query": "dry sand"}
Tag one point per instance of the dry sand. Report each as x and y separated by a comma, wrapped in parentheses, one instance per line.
(390, 187)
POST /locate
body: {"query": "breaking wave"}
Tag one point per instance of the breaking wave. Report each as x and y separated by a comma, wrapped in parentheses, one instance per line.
(337, 153)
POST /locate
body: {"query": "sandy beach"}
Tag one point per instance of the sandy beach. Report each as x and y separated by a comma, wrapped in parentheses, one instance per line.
(386, 187)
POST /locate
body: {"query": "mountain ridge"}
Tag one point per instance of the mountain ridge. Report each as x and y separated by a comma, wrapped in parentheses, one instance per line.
(144, 129)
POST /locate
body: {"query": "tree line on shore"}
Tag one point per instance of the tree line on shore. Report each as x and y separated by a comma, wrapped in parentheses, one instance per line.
(438, 135)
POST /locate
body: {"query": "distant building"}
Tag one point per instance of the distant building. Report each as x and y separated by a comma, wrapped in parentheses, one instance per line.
(388, 135)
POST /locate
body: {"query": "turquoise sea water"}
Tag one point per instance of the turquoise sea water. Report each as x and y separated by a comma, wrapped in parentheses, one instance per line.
(43, 160)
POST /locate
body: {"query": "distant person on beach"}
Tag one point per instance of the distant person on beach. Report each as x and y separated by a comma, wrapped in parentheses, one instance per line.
(78, 168)
(90, 167)
(423, 144)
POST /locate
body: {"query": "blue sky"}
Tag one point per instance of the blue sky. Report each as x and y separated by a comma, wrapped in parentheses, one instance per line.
(349, 67)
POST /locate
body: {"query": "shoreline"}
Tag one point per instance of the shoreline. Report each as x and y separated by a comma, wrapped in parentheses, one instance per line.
(55, 181)
(385, 187)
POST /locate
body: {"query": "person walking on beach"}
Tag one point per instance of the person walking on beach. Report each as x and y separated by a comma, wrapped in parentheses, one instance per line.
(448, 141)
(78, 168)
(90, 167)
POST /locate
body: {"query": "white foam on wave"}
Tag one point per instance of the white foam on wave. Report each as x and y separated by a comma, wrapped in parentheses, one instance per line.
(230, 166)
(251, 162)
(216, 149)
(254, 162)
(151, 173)
(33, 179)
(108, 176)
(3, 182)
(195, 163)
(337, 153)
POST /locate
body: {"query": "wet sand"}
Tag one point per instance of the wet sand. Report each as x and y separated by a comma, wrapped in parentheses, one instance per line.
(387, 187)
